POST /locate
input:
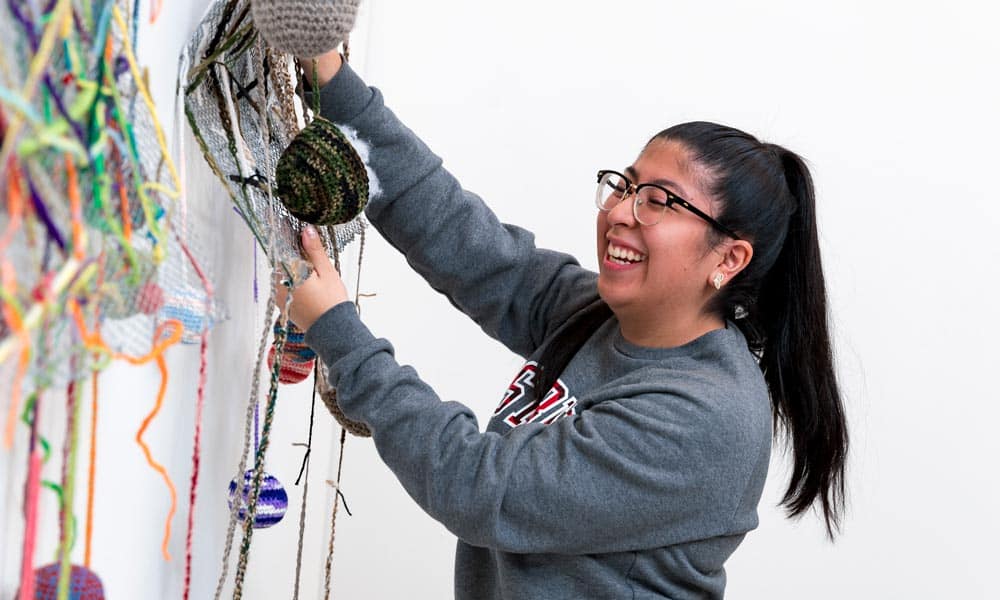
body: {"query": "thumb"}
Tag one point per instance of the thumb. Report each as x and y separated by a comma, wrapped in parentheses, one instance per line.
(315, 251)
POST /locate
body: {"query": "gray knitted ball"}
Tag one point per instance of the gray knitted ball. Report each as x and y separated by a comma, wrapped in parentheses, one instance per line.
(304, 28)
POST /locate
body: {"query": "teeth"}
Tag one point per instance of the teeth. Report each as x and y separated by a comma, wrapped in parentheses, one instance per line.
(624, 255)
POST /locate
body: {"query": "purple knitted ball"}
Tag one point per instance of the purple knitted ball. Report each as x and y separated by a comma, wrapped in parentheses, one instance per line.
(271, 504)
(84, 584)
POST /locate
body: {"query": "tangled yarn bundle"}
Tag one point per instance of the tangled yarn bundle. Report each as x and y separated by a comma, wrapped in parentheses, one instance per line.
(305, 28)
(321, 178)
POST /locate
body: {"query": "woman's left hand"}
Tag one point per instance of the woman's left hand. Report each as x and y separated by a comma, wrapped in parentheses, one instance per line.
(323, 290)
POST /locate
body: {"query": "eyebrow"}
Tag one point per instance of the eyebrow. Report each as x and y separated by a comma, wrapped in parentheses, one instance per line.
(633, 174)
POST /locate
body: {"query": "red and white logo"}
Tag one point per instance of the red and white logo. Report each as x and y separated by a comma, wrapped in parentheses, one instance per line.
(519, 405)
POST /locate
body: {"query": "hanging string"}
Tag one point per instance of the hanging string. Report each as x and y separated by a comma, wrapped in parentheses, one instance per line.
(68, 481)
(91, 471)
(248, 423)
(31, 488)
(199, 411)
(167, 334)
(251, 512)
(333, 516)
(305, 485)
(161, 364)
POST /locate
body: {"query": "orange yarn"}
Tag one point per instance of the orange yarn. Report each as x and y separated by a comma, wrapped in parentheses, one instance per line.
(91, 472)
(173, 329)
(75, 211)
(12, 315)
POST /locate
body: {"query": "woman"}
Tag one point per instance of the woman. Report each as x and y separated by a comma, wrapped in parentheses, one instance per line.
(628, 456)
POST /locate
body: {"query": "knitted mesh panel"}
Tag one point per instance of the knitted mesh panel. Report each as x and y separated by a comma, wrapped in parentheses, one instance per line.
(321, 179)
(305, 28)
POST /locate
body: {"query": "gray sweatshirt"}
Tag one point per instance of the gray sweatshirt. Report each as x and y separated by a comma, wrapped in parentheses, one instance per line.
(638, 473)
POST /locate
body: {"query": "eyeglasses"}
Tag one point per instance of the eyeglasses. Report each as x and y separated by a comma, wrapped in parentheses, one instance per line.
(650, 200)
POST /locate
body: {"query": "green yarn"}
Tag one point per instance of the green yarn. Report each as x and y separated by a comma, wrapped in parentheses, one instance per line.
(321, 179)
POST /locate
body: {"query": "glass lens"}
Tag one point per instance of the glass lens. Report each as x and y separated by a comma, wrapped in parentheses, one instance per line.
(650, 204)
(610, 190)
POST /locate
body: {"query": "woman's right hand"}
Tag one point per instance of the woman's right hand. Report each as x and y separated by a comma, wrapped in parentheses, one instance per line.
(327, 66)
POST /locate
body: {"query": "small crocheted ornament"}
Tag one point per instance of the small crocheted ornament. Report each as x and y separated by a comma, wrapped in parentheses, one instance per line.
(297, 359)
(84, 584)
(271, 504)
(329, 396)
(304, 28)
(291, 371)
(321, 179)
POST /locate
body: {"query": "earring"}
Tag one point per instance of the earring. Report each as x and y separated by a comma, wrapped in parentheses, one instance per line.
(717, 280)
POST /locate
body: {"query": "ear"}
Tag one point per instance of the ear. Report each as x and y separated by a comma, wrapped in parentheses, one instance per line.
(734, 256)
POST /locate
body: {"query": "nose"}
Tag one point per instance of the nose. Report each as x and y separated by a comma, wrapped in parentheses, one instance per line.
(622, 213)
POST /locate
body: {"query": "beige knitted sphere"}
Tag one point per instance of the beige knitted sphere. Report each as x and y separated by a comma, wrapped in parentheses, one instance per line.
(304, 28)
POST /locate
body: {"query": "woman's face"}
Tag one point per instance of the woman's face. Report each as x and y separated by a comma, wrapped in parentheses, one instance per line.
(666, 267)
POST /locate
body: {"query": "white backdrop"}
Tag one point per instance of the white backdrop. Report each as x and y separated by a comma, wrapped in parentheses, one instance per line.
(895, 105)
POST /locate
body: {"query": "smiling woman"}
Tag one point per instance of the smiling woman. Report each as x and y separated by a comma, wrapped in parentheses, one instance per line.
(628, 455)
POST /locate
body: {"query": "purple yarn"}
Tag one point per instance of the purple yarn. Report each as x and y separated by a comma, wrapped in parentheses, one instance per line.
(271, 505)
(43, 213)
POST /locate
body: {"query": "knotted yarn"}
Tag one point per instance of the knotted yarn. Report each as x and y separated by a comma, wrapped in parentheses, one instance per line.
(321, 178)
(304, 28)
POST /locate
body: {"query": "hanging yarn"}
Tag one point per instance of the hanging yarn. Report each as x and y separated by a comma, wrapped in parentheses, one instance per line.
(321, 178)
(304, 28)
(297, 359)
(271, 504)
(84, 584)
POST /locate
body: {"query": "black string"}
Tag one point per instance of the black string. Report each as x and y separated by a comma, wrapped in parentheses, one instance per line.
(312, 415)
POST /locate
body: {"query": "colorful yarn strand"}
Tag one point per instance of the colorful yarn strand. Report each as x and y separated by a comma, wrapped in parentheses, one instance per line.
(248, 430)
(259, 462)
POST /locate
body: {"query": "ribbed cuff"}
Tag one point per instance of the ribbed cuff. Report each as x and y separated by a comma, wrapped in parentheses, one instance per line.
(336, 333)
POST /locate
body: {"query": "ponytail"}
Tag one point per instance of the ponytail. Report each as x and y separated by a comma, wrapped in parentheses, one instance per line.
(797, 359)
(765, 193)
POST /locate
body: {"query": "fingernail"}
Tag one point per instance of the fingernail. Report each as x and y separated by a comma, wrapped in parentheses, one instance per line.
(310, 232)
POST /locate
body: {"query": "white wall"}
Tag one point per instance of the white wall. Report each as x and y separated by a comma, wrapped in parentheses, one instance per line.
(895, 106)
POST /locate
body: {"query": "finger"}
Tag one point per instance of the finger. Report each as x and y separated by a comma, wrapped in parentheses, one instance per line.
(315, 252)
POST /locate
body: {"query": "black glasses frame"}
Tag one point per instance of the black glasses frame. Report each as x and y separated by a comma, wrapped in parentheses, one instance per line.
(672, 199)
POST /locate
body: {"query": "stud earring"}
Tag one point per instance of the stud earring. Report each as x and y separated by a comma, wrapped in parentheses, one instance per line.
(717, 280)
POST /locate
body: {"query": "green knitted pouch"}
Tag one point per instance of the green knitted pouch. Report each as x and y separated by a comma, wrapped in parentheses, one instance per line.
(321, 179)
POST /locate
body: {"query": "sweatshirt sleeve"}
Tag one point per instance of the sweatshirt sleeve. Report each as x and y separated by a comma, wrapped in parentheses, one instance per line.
(625, 474)
(490, 271)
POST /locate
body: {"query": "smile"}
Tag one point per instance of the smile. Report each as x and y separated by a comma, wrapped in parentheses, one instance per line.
(624, 256)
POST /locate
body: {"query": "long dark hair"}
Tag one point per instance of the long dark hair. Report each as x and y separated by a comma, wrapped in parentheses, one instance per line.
(765, 193)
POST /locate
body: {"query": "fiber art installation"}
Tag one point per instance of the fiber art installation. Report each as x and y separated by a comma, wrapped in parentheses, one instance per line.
(96, 264)
(282, 165)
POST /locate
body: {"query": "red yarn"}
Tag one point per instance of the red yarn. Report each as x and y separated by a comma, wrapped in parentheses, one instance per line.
(291, 371)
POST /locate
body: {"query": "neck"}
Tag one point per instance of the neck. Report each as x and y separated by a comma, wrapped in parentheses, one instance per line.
(667, 331)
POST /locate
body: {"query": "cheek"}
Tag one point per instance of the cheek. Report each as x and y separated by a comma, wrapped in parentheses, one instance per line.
(602, 231)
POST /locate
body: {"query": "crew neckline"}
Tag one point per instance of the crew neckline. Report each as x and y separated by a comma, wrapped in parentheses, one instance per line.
(631, 350)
